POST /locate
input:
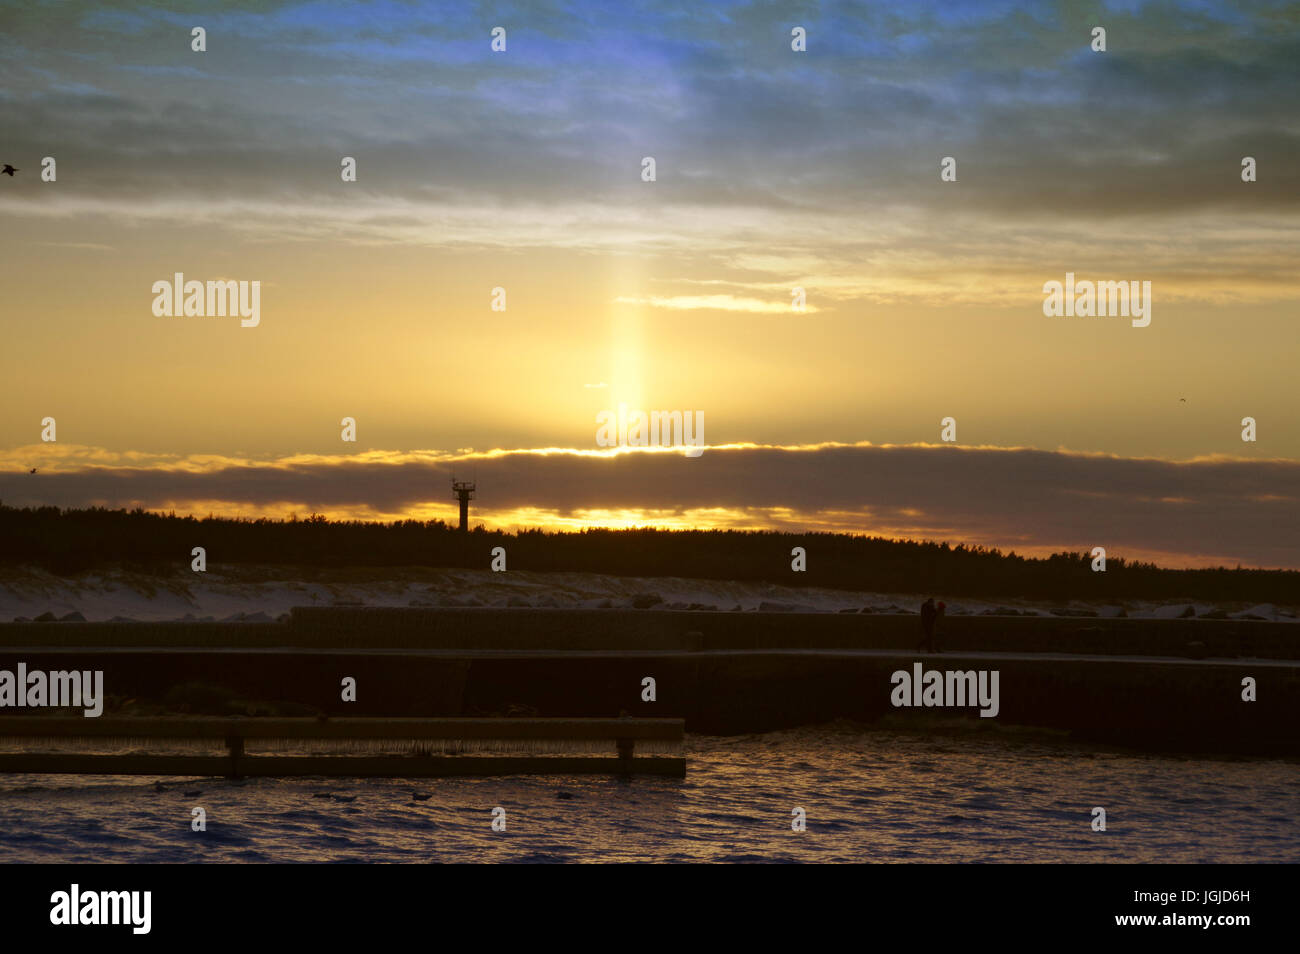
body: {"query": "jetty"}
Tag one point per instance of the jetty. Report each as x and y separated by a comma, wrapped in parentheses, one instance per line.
(416, 748)
(1193, 686)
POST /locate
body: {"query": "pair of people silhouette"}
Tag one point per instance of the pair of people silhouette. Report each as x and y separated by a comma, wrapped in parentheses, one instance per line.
(930, 616)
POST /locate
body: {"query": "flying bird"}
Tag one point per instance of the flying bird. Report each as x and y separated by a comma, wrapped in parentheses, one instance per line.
(8, 170)
(1183, 400)
(32, 471)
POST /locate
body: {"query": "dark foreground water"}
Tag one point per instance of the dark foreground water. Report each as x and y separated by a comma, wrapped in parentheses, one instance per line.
(869, 795)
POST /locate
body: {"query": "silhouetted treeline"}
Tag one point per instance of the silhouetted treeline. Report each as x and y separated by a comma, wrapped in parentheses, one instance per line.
(69, 542)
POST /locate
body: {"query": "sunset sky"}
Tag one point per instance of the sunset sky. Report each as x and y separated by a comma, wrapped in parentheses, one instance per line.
(775, 169)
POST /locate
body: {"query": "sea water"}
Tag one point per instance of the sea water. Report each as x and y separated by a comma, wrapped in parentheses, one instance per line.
(868, 795)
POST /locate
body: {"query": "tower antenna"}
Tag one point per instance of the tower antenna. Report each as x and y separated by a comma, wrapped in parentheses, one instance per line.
(464, 491)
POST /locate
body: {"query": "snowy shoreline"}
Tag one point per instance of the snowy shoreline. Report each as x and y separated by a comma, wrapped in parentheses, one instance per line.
(264, 594)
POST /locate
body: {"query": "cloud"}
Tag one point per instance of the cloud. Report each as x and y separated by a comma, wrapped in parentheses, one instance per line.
(1208, 511)
(829, 157)
(714, 303)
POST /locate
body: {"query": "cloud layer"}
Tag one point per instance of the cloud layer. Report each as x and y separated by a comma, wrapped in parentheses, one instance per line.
(1202, 512)
(830, 156)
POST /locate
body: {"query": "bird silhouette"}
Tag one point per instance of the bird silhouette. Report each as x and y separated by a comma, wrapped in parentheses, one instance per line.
(32, 471)
(8, 170)
(1183, 400)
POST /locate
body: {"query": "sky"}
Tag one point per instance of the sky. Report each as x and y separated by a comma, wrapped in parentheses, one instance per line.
(775, 169)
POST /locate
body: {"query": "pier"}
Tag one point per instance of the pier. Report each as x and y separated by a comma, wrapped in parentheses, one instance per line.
(1174, 685)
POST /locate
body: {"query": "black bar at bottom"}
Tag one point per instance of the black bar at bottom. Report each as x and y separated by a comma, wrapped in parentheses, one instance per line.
(973, 906)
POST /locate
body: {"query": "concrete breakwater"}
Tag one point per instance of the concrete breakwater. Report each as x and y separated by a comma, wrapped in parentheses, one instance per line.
(1182, 705)
(611, 629)
(1135, 683)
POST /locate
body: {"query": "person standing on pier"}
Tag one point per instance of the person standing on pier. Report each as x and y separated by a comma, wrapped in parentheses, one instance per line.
(928, 617)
